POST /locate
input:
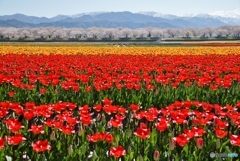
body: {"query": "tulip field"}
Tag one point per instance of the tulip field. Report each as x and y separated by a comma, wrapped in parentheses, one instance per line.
(98, 103)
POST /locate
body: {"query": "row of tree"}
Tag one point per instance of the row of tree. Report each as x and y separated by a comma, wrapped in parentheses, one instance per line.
(116, 33)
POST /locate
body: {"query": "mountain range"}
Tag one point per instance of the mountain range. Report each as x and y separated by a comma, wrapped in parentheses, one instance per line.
(124, 19)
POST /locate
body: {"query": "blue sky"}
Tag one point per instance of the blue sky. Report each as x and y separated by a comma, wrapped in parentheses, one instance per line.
(50, 8)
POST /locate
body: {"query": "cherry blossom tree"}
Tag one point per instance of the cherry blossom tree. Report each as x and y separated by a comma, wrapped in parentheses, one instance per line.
(209, 31)
(59, 33)
(172, 32)
(110, 33)
(2, 32)
(76, 33)
(50, 31)
(10, 32)
(43, 33)
(236, 31)
(157, 32)
(125, 33)
(141, 33)
(94, 32)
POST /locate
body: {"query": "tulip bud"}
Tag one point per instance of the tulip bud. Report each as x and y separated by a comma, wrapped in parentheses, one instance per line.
(173, 133)
(218, 144)
(70, 150)
(80, 130)
(129, 149)
(53, 136)
(140, 158)
(232, 122)
(199, 143)
(156, 155)
(99, 116)
(172, 144)
(129, 133)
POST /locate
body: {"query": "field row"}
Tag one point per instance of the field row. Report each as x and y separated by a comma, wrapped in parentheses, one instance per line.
(176, 131)
(123, 50)
(119, 106)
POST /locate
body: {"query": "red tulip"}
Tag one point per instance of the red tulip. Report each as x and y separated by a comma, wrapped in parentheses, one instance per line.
(13, 124)
(50, 123)
(4, 105)
(110, 109)
(37, 129)
(161, 125)
(29, 105)
(41, 146)
(16, 139)
(220, 124)
(190, 133)
(67, 129)
(43, 91)
(156, 155)
(139, 115)
(100, 137)
(109, 138)
(143, 132)
(115, 123)
(86, 120)
(88, 88)
(199, 131)
(150, 117)
(11, 94)
(181, 140)
(117, 151)
(235, 140)
(97, 107)
(16, 107)
(71, 120)
(29, 114)
(199, 143)
(122, 110)
(107, 101)
(220, 133)
(134, 107)
(92, 138)
(3, 113)
(2, 142)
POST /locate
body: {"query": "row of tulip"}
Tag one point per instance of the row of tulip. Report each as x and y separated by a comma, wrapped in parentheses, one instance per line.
(128, 107)
(188, 129)
(69, 49)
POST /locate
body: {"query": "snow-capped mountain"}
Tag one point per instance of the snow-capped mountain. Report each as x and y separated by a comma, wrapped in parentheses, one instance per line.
(203, 15)
(156, 14)
(228, 17)
(61, 17)
(125, 19)
(227, 14)
(86, 13)
(224, 14)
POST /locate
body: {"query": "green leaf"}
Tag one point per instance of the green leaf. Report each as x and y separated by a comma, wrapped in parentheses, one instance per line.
(146, 158)
(195, 155)
(131, 155)
(140, 158)
(224, 145)
(58, 146)
(185, 149)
